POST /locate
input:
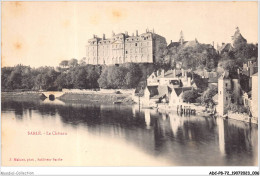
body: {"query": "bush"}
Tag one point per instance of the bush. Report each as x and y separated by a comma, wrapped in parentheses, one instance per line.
(237, 108)
(190, 96)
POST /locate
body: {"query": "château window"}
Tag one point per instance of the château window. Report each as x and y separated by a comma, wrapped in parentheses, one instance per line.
(126, 52)
(220, 92)
(226, 98)
(135, 44)
(226, 84)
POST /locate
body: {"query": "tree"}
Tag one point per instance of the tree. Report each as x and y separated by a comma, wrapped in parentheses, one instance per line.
(207, 96)
(83, 61)
(15, 79)
(92, 77)
(190, 96)
(73, 62)
(61, 81)
(64, 63)
(102, 81)
(81, 79)
(133, 75)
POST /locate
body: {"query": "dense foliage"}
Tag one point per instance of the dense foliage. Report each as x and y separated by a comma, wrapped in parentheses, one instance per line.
(72, 75)
(124, 76)
(190, 55)
(48, 78)
(190, 96)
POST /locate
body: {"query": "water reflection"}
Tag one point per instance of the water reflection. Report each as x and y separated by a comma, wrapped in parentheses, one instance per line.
(178, 140)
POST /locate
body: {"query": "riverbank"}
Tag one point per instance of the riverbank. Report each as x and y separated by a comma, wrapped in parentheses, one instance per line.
(109, 98)
(100, 98)
(21, 96)
(200, 110)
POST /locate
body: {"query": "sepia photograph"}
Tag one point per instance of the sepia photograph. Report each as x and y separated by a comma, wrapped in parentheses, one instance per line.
(137, 83)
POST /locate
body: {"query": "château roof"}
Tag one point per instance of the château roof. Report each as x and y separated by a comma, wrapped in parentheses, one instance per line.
(175, 44)
(256, 74)
(191, 43)
(225, 48)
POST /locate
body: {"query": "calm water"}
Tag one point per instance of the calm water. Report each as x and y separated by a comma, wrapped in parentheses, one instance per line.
(117, 135)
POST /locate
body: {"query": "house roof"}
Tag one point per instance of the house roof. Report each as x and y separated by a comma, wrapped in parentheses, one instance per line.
(213, 80)
(158, 91)
(153, 90)
(175, 82)
(224, 75)
(178, 73)
(215, 98)
(179, 90)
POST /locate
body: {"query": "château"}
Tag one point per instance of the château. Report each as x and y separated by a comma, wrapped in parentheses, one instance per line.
(122, 48)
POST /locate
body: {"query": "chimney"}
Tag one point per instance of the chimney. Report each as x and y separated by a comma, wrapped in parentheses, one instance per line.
(238, 71)
(126, 33)
(162, 73)
(133, 34)
(104, 37)
(182, 72)
(189, 81)
(223, 44)
(136, 32)
(171, 41)
(113, 34)
(157, 73)
(174, 73)
(213, 44)
(94, 36)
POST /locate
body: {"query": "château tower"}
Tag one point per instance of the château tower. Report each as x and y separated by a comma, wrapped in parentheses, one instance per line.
(181, 38)
(224, 88)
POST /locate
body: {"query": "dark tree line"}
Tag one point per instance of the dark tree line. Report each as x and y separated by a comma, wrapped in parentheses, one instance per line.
(74, 76)
(49, 78)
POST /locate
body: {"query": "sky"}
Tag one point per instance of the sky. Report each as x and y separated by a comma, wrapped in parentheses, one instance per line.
(45, 33)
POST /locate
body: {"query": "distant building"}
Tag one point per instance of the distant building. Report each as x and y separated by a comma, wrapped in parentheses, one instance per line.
(122, 48)
(224, 89)
(173, 78)
(156, 94)
(229, 90)
(236, 38)
(250, 68)
(254, 103)
(225, 47)
(176, 95)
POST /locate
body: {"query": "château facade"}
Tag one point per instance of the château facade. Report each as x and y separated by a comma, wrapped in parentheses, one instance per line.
(122, 48)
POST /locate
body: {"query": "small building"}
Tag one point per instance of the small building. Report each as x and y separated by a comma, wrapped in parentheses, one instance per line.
(176, 95)
(250, 68)
(156, 94)
(224, 90)
(254, 104)
(229, 91)
(172, 78)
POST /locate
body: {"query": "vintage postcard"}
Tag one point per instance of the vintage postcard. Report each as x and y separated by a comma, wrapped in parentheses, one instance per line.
(129, 83)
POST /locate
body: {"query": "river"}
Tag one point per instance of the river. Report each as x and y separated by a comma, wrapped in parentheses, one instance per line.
(117, 135)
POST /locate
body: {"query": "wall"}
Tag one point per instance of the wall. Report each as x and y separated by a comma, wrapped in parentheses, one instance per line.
(238, 116)
(86, 91)
(224, 85)
(255, 96)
